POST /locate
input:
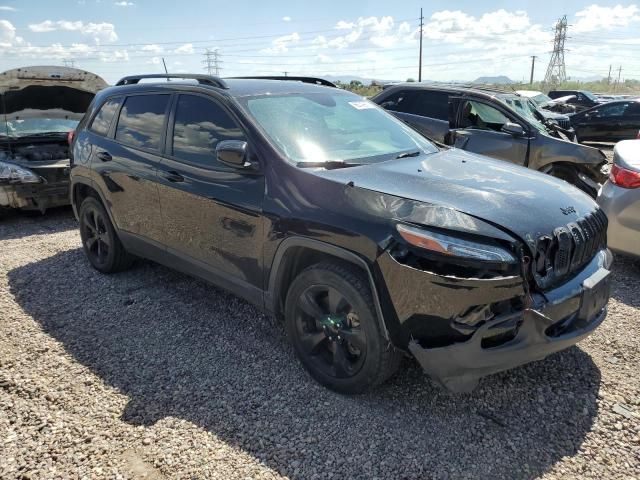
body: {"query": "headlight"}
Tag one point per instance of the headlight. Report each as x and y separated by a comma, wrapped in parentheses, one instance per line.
(12, 173)
(454, 247)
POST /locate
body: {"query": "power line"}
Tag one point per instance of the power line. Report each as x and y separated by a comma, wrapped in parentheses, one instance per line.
(533, 65)
(212, 62)
(420, 60)
(556, 71)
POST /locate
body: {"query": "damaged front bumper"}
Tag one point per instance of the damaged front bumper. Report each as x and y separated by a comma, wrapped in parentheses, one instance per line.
(549, 322)
(52, 191)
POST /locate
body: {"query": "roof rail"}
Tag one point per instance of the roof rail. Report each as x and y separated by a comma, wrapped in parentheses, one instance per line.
(488, 87)
(313, 80)
(202, 79)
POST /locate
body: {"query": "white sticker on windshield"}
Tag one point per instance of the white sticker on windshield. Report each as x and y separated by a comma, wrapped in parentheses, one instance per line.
(362, 105)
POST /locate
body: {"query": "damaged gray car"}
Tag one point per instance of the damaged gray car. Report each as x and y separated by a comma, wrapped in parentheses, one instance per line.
(41, 107)
(488, 121)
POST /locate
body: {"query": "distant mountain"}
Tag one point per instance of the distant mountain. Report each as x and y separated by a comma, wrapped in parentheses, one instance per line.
(498, 80)
(349, 78)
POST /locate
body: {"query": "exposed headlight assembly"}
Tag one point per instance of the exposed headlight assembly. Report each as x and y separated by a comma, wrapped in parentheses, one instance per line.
(12, 173)
(454, 247)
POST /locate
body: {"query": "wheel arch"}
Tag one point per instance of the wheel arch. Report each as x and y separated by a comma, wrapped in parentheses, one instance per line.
(83, 188)
(294, 254)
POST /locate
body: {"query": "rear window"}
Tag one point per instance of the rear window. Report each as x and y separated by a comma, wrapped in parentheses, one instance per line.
(141, 121)
(102, 121)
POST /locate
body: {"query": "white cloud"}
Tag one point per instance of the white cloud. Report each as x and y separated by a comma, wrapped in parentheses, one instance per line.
(282, 44)
(7, 33)
(6, 8)
(99, 31)
(286, 19)
(595, 17)
(185, 49)
(152, 48)
(124, 4)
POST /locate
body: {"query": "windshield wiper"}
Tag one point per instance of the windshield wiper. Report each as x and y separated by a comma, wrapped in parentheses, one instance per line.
(409, 154)
(328, 164)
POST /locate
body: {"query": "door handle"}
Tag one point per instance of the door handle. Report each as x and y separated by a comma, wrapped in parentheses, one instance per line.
(174, 176)
(104, 156)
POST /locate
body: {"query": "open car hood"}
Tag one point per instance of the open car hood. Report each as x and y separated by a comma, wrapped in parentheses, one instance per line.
(52, 92)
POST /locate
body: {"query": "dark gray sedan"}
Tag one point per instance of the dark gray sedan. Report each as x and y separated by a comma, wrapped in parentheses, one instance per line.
(620, 199)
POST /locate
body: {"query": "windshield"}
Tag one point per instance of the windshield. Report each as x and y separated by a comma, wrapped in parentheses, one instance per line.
(31, 126)
(326, 127)
(541, 99)
(589, 95)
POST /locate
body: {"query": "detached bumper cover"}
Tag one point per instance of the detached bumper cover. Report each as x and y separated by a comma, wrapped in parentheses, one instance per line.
(460, 366)
(557, 320)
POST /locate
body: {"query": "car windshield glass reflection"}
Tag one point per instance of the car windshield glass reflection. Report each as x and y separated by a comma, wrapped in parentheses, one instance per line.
(333, 127)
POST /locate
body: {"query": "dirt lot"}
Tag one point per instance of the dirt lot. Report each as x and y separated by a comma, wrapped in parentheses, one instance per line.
(151, 374)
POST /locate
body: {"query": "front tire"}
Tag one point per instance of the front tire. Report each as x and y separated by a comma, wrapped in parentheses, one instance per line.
(571, 175)
(100, 242)
(334, 329)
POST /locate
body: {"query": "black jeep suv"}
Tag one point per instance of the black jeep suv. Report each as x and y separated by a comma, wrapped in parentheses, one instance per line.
(324, 210)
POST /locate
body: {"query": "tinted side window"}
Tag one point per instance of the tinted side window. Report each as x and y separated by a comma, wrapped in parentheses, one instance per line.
(425, 103)
(102, 121)
(432, 104)
(634, 109)
(199, 125)
(612, 110)
(141, 121)
(482, 116)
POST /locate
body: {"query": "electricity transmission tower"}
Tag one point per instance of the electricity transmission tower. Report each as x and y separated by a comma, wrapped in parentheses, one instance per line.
(68, 62)
(212, 62)
(556, 72)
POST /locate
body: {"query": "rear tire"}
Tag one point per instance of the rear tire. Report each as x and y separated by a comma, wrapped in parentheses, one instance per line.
(334, 329)
(100, 242)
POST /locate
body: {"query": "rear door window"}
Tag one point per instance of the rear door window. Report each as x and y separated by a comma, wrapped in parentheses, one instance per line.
(425, 103)
(102, 121)
(141, 121)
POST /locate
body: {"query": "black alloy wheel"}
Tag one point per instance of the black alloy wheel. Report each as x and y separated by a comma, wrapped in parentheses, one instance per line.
(330, 333)
(332, 323)
(100, 242)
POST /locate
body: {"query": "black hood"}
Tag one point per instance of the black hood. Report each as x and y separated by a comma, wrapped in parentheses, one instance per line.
(522, 201)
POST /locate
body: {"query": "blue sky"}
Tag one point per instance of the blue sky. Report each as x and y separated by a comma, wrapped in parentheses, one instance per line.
(372, 39)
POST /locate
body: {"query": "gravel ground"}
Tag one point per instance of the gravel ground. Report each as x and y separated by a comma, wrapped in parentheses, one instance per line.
(152, 374)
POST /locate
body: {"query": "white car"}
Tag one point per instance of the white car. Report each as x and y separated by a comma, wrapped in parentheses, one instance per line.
(41, 106)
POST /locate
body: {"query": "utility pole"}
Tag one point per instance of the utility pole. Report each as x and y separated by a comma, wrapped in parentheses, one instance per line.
(420, 64)
(212, 62)
(533, 66)
(609, 76)
(556, 71)
(619, 72)
(285, 73)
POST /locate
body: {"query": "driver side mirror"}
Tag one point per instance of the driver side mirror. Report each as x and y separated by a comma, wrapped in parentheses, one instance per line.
(232, 153)
(513, 129)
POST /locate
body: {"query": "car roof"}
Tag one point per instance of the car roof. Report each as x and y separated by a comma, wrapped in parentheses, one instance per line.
(233, 87)
(480, 90)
